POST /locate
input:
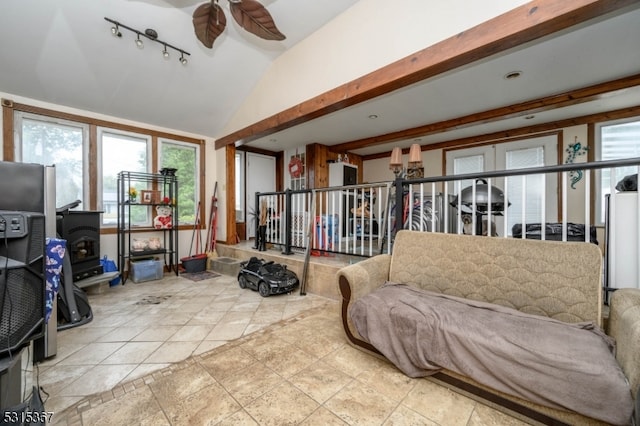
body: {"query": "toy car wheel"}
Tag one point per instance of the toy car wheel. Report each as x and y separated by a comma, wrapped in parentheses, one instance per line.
(263, 289)
(242, 281)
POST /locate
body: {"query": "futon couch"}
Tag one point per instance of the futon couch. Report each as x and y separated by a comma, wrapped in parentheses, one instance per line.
(472, 313)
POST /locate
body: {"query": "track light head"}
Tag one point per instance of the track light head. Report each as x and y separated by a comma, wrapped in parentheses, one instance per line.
(115, 30)
(151, 35)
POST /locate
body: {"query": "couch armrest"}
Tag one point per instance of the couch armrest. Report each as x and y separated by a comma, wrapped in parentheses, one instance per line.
(356, 281)
(364, 277)
(624, 327)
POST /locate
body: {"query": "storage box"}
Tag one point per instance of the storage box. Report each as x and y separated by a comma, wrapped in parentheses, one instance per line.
(146, 270)
(195, 263)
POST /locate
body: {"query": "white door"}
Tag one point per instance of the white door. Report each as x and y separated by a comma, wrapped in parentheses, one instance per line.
(260, 177)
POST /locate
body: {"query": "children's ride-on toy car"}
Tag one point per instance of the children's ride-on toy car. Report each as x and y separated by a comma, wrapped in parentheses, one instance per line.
(266, 277)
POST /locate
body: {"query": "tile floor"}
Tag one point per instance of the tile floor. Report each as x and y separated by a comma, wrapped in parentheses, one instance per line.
(177, 352)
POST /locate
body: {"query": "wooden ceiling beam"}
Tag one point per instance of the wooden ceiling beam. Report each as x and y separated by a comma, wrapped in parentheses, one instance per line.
(523, 24)
(573, 97)
(520, 131)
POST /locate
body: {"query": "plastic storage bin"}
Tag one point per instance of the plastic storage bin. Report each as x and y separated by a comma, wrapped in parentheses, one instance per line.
(146, 270)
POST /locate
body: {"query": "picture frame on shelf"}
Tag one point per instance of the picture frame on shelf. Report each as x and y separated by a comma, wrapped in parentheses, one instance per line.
(149, 196)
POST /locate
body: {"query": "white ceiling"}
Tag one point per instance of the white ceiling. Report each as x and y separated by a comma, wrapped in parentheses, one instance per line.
(63, 52)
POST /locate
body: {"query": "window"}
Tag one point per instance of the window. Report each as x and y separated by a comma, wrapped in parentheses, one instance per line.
(537, 192)
(121, 151)
(87, 162)
(615, 140)
(47, 141)
(240, 187)
(185, 158)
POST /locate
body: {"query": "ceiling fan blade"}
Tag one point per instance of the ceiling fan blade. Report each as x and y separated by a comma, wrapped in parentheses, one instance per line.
(208, 23)
(255, 18)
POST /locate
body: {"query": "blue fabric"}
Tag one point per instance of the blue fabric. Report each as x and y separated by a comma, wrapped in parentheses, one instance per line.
(55, 251)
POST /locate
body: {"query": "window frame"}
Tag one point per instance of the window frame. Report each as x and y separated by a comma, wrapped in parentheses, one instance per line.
(196, 173)
(597, 137)
(18, 118)
(10, 108)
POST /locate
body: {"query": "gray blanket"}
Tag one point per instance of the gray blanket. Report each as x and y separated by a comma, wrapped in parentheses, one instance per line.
(549, 362)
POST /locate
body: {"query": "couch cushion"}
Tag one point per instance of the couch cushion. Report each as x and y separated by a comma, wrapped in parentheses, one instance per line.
(561, 280)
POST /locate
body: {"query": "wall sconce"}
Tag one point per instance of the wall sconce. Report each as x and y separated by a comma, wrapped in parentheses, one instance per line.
(151, 35)
(414, 166)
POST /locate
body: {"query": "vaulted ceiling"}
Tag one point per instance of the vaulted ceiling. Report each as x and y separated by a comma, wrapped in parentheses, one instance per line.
(576, 59)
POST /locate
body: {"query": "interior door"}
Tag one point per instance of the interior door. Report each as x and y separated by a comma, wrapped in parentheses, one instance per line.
(260, 177)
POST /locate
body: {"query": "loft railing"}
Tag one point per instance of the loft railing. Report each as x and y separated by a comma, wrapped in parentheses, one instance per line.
(555, 202)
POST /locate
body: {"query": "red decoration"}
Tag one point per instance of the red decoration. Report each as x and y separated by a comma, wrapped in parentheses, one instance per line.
(295, 167)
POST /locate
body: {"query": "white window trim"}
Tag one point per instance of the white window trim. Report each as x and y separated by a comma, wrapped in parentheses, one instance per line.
(599, 220)
(197, 171)
(19, 116)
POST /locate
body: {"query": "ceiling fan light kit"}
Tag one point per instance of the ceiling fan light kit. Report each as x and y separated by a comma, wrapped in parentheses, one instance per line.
(209, 20)
(150, 34)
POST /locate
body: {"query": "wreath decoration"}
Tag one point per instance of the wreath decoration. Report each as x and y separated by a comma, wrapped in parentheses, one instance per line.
(295, 167)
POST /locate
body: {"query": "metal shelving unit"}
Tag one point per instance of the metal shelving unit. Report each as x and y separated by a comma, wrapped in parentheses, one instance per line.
(160, 186)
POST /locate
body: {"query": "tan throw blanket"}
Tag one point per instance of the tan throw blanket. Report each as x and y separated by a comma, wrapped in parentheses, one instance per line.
(549, 362)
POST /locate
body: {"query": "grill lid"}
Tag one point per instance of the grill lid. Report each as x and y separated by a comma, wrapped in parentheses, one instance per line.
(497, 202)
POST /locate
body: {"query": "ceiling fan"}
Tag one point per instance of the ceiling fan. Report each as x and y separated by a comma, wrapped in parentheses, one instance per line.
(209, 21)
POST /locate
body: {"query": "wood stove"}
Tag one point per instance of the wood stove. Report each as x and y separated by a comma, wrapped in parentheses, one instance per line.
(81, 230)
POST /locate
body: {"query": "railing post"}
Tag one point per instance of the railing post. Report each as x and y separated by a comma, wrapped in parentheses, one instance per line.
(256, 216)
(288, 206)
(399, 184)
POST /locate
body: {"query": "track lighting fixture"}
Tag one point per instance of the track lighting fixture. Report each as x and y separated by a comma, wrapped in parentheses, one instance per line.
(151, 35)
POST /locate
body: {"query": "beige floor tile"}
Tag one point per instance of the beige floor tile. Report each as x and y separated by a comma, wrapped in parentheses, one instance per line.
(92, 354)
(251, 382)
(171, 352)
(122, 334)
(323, 417)
(439, 404)
(359, 404)
(487, 416)
(227, 331)
(144, 370)
(132, 353)
(207, 406)
(208, 345)
(239, 418)
(129, 409)
(56, 405)
(225, 363)
(403, 416)
(180, 384)
(63, 350)
(320, 381)
(351, 361)
(156, 334)
(191, 333)
(98, 379)
(54, 380)
(389, 381)
(285, 404)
